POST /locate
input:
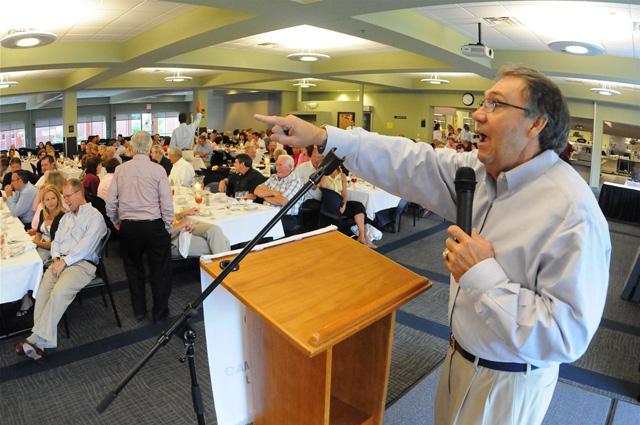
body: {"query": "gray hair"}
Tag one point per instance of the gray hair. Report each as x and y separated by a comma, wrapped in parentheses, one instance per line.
(288, 160)
(544, 99)
(174, 150)
(141, 143)
(157, 149)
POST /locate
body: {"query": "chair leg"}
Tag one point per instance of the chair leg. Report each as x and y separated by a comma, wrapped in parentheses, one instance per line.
(104, 300)
(113, 304)
(65, 323)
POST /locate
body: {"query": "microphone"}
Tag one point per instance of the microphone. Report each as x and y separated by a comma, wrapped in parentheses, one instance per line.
(465, 183)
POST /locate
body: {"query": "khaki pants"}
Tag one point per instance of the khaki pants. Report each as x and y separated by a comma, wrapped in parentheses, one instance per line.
(481, 396)
(53, 298)
(205, 239)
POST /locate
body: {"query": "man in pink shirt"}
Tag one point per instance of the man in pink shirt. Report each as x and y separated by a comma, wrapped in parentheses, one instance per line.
(139, 204)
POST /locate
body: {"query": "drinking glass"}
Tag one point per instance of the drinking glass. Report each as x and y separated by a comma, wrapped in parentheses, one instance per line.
(198, 198)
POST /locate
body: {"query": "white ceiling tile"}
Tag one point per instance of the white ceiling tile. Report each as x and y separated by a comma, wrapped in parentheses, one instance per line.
(131, 18)
(156, 6)
(117, 4)
(71, 37)
(451, 14)
(483, 10)
(82, 30)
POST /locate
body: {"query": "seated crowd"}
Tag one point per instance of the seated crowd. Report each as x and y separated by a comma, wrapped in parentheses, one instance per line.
(124, 185)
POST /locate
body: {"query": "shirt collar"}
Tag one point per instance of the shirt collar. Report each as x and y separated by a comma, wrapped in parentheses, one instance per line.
(141, 157)
(514, 179)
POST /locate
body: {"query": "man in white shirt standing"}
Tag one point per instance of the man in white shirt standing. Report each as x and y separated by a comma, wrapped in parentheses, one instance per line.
(182, 136)
(182, 172)
(528, 286)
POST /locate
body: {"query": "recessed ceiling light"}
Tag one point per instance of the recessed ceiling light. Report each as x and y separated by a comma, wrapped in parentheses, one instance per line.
(604, 91)
(435, 80)
(304, 83)
(22, 39)
(177, 78)
(577, 48)
(308, 57)
(6, 83)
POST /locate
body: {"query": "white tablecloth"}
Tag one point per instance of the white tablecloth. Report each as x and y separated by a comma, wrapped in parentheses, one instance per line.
(238, 223)
(21, 273)
(374, 200)
(70, 172)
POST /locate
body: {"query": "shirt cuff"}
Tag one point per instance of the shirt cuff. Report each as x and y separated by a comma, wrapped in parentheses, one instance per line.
(340, 139)
(483, 276)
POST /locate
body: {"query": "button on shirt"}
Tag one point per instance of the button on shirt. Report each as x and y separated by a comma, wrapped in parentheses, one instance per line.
(182, 136)
(140, 191)
(288, 186)
(540, 300)
(79, 234)
(20, 203)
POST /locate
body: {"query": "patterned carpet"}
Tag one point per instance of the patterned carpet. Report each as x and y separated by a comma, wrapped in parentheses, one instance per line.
(68, 386)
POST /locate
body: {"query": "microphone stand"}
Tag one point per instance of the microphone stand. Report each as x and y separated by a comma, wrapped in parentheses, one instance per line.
(328, 165)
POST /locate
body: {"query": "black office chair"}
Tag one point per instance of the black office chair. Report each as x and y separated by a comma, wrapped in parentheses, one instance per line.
(330, 212)
(100, 281)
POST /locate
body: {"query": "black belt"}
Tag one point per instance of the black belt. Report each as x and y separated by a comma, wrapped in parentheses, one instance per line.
(141, 221)
(490, 364)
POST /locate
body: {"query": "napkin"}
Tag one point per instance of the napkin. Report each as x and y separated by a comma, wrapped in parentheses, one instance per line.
(184, 240)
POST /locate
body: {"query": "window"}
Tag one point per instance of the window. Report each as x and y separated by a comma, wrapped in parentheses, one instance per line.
(12, 134)
(165, 122)
(49, 130)
(91, 126)
(162, 123)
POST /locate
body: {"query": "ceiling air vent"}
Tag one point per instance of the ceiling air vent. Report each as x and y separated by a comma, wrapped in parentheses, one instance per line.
(636, 26)
(502, 21)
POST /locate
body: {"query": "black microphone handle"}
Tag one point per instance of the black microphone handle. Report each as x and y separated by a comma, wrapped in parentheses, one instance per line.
(465, 208)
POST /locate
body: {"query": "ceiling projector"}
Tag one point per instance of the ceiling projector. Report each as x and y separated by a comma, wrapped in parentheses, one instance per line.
(477, 50)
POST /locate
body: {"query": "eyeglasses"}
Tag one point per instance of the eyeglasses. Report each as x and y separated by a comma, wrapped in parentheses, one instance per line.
(491, 105)
(67, 196)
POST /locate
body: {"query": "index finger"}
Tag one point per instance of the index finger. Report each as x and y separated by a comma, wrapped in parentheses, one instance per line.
(272, 120)
(458, 234)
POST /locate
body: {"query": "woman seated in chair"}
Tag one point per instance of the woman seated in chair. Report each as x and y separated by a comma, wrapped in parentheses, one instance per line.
(44, 231)
(337, 182)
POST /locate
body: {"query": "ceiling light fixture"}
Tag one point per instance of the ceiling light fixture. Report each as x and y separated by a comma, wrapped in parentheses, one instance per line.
(579, 48)
(304, 83)
(177, 78)
(605, 91)
(308, 57)
(435, 80)
(6, 83)
(22, 39)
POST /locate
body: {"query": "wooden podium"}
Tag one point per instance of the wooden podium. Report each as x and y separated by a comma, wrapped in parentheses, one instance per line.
(320, 319)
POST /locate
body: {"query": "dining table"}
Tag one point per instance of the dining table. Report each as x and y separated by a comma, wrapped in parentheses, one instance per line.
(373, 198)
(20, 264)
(240, 220)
